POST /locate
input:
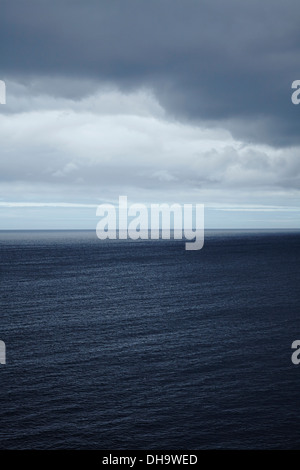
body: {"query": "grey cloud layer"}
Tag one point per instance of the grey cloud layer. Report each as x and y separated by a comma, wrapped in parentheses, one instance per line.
(227, 62)
(122, 142)
(160, 100)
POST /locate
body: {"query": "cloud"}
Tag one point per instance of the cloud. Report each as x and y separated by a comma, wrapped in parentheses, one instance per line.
(230, 64)
(163, 101)
(114, 142)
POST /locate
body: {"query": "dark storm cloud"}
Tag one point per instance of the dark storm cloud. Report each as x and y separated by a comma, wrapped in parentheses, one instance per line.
(230, 62)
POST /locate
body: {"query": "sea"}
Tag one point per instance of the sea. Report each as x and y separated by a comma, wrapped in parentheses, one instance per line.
(143, 345)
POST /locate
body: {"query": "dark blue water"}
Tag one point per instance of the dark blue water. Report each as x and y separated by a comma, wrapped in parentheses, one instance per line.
(143, 345)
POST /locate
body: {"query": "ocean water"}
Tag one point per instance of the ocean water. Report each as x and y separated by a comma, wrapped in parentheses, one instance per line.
(143, 345)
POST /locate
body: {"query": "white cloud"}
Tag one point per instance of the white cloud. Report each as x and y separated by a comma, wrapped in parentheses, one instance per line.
(96, 147)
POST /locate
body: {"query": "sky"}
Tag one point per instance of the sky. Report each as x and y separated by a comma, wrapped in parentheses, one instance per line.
(164, 101)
